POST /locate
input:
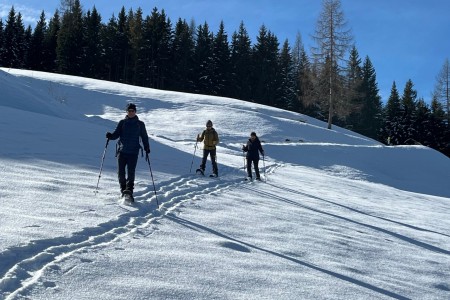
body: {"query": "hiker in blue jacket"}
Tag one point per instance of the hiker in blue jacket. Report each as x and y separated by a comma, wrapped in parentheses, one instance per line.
(253, 148)
(129, 131)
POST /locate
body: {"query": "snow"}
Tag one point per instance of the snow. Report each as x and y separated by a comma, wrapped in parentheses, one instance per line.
(338, 215)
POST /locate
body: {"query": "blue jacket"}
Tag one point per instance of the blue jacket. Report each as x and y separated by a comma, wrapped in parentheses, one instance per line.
(253, 148)
(129, 130)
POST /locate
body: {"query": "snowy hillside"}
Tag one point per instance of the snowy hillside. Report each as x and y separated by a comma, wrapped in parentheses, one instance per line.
(340, 216)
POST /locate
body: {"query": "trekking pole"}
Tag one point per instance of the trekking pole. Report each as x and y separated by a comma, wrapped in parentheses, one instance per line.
(264, 165)
(151, 173)
(101, 166)
(195, 149)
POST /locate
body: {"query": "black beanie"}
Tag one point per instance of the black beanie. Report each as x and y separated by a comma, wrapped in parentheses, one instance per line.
(209, 123)
(131, 106)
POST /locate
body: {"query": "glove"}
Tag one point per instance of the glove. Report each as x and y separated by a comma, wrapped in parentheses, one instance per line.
(199, 139)
(108, 135)
(147, 151)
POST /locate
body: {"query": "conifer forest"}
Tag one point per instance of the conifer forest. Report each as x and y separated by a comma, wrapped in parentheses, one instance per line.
(334, 85)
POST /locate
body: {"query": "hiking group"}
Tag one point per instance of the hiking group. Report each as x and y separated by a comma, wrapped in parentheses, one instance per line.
(130, 131)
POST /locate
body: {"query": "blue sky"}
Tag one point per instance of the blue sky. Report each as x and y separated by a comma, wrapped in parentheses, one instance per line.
(405, 39)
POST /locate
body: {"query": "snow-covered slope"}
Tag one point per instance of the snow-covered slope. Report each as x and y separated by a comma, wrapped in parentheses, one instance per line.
(340, 216)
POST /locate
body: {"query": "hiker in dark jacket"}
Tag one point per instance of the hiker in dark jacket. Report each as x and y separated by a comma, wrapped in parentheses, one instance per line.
(253, 148)
(129, 131)
(210, 139)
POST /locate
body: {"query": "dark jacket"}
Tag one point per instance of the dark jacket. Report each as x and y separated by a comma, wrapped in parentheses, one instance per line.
(253, 148)
(129, 130)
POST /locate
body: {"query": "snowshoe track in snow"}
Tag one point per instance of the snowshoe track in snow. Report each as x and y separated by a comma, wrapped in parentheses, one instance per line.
(22, 267)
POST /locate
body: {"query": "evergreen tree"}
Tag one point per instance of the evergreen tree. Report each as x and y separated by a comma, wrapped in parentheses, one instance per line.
(422, 124)
(265, 64)
(137, 54)
(157, 46)
(35, 54)
(27, 37)
(203, 61)
(372, 109)
(408, 106)
(109, 41)
(1, 42)
(70, 37)
(392, 130)
(122, 49)
(182, 51)
(287, 94)
(165, 45)
(353, 93)
(92, 46)
(13, 40)
(240, 64)
(221, 63)
(305, 82)
(440, 139)
(50, 44)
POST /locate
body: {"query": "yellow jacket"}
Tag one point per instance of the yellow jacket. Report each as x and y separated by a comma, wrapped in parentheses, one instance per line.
(210, 139)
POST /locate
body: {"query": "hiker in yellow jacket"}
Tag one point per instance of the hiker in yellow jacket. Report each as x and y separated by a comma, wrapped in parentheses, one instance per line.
(210, 139)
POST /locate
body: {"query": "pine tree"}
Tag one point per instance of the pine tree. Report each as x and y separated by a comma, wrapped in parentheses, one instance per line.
(286, 95)
(1, 42)
(305, 81)
(372, 109)
(440, 135)
(240, 62)
(50, 44)
(111, 61)
(265, 67)
(422, 124)
(70, 37)
(353, 93)
(392, 129)
(13, 37)
(35, 57)
(203, 60)
(92, 47)
(221, 63)
(182, 51)
(27, 37)
(408, 104)
(137, 42)
(122, 49)
(157, 46)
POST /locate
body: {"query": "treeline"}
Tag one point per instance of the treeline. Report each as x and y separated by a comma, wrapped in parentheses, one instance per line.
(150, 51)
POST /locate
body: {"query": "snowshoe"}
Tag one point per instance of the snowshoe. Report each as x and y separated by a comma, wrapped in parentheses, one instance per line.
(128, 195)
(200, 172)
(214, 175)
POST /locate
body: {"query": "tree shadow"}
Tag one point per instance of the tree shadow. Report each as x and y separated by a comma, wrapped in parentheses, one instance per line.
(191, 225)
(356, 210)
(376, 228)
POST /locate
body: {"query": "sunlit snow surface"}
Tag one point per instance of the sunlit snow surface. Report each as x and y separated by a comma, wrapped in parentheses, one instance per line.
(338, 215)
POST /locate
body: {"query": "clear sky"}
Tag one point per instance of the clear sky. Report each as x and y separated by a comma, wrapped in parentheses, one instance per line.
(404, 39)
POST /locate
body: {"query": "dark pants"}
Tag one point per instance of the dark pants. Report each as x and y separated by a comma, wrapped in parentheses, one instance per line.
(128, 161)
(212, 153)
(255, 165)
